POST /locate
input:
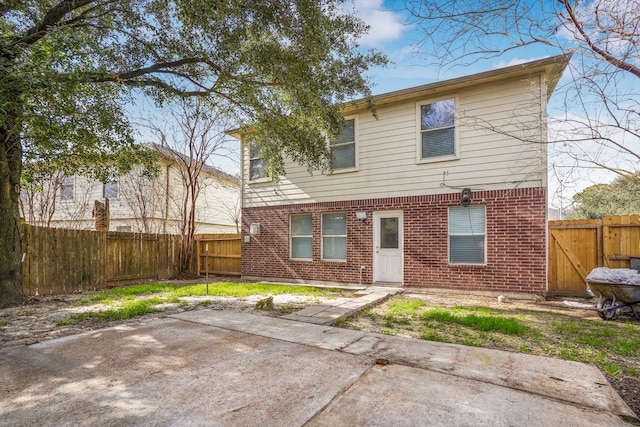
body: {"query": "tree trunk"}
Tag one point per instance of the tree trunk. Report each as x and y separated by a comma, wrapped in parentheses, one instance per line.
(10, 229)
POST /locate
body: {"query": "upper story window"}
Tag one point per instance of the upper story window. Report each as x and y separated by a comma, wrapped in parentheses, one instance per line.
(110, 190)
(67, 188)
(343, 150)
(437, 130)
(257, 165)
(467, 235)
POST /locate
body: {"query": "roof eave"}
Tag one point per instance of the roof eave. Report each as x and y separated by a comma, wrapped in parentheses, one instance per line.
(552, 67)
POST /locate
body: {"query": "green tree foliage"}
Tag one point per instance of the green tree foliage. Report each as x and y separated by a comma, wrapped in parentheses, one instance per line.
(621, 197)
(68, 67)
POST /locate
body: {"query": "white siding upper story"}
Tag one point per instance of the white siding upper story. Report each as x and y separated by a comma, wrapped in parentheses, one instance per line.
(500, 142)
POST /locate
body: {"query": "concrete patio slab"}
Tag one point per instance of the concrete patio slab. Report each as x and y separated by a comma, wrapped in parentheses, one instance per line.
(313, 310)
(556, 379)
(319, 336)
(170, 372)
(429, 398)
(209, 367)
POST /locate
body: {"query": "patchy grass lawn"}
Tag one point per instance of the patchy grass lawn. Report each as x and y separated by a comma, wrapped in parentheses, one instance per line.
(224, 289)
(543, 328)
(613, 346)
(51, 317)
(137, 300)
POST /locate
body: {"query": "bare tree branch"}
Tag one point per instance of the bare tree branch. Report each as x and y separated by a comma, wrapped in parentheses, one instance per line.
(196, 136)
(579, 26)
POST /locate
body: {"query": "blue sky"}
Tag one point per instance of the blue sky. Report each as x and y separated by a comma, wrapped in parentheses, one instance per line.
(393, 32)
(396, 33)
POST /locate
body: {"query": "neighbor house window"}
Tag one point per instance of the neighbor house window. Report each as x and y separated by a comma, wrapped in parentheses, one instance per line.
(467, 235)
(257, 165)
(334, 236)
(343, 150)
(110, 190)
(301, 237)
(437, 129)
(66, 188)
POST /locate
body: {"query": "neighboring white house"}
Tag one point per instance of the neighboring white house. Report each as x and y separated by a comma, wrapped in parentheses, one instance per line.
(445, 187)
(137, 203)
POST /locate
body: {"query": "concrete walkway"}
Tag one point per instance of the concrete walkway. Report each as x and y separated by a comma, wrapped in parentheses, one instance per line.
(218, 368)
(324, 314)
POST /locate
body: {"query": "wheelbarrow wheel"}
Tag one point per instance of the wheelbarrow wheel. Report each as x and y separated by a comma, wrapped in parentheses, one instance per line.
(605, 314)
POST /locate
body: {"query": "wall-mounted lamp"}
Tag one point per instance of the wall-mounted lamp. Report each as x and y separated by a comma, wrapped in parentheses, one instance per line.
(361, 216)
(465, 197)
(254, 228)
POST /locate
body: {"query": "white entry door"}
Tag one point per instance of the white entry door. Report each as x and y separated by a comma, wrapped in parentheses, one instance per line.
(387, 246)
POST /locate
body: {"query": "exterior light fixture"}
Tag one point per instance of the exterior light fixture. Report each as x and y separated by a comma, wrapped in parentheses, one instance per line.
(465, 197)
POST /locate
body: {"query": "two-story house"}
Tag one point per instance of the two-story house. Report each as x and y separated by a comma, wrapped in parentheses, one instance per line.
(137, 203)
(445, 188)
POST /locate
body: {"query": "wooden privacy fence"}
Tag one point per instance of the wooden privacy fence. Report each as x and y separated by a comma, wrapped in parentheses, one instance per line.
(219, 254)
(577, 247)
(136, 256)
(60, 260)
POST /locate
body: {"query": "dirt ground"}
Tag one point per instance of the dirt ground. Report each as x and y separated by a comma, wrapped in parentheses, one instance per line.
(42, 319)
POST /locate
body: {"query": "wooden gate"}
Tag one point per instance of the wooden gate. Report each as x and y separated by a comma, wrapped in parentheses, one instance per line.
(577, 247)
(574, 250)
(219, 254)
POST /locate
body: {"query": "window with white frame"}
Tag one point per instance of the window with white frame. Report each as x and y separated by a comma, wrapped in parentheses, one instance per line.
(467, 235)
(334, 236)
(437, 129)
(301, 236)
(343, 150)
(67, 188)
(257, 165)
(110, 190)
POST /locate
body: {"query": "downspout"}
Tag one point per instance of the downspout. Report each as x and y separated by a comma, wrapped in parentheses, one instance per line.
(166, 202)
(544, 99)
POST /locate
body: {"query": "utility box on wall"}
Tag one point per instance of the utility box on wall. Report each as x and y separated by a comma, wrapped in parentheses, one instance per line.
(254, 228)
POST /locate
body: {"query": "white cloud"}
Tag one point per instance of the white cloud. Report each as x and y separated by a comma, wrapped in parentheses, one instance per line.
(410, 51)
(385, 25)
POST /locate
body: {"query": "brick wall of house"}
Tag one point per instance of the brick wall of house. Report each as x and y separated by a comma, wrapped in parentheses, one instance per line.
(516, 242)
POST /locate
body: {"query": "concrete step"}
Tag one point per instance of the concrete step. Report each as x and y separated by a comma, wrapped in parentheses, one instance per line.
(325, 314)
